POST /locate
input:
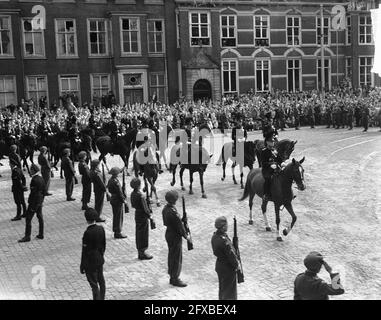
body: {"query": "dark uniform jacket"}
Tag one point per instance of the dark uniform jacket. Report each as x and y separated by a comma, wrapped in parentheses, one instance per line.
(224, 251)
(308, 286)
(67, 167)
(93, 248)
(44, 163)
(172, 221)
(18, 180)
(96, 179)
(139, 203)
(84, 171)
(115, 189)
(14, 160)
(37, 192)
(268, 158)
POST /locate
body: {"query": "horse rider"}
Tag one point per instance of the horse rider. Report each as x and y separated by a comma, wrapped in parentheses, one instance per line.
(188, 128)
(268, 128)
(271, 161)
(239, 134)
(113, 128)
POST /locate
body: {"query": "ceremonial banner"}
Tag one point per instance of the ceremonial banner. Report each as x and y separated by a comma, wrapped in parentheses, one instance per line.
(376, 29)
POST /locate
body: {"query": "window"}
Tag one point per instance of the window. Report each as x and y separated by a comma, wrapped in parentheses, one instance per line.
(7, 91)
(100, 85)
(228, 31)
(98, 38)
(348, 67)
(293, 31)
(130, 35)
(366, 78)
(69, 85)
(178, 29)
(326, 32)
(157, 86)
(263, 75)
(200, 29)
(348, 30)
(293, 74)
(229, 71)
(365, 30)
(37, 87)
(5, 36)
(66, 38)
(155, 36)
(33, 40)
(261, 30)
(327, 74)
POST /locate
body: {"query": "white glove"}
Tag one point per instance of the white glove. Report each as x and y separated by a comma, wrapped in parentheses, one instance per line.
(273, 166)
(283, 164)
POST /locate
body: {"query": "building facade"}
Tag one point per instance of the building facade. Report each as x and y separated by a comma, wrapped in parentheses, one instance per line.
(177, 48)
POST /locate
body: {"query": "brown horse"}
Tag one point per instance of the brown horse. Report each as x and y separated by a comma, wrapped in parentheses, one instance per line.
(281, 191)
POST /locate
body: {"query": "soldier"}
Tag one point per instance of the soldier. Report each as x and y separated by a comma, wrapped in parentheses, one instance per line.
(45, 168)
(365, 117)
(35, 201)
(84, 171)
(113, 128)
(328, 116)
(350, 114)
(117, 201)
(296, 117)
(173, 235)
(99, 188)
(270, 161)
(142, 215)
(308, 286)
(14, 157)
(311, 116)
(242, 133)
(92, 258)
(18, 189)
(69, 172)
(227, 262)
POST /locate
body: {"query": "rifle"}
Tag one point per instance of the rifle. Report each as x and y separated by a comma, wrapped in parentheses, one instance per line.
(240, 276)
(151, 220)
(104, 181)
(186, 226)
(126, 209)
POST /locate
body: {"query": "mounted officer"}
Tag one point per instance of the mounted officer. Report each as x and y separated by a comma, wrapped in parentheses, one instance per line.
(268, 128)
(238, 133)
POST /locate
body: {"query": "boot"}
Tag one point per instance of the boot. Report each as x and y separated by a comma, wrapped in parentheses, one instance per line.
(177, 283)
(144, 256)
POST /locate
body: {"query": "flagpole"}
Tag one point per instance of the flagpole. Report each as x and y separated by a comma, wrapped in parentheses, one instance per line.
(322, 54)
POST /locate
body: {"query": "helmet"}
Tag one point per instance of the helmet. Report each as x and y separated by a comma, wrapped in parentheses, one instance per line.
(43, 149)
(66, 151)
(135, 183)
(220, 222)
(13, 148)
(313, 261)
(114, 171)
(171, 196)
(91, 214)
(35, 168)
(82, 155)
(95, 163)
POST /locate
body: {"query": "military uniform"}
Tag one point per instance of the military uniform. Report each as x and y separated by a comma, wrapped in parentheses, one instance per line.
(116, 201)
(14, 160)
(142, 216)
(226, 265)
(269, 157)
(18, 189)
(242, 133)
(308, 286)
(45, 170)
(173, 235)
(365, 117)
(99, 191)
(69, 173)
(84, 170)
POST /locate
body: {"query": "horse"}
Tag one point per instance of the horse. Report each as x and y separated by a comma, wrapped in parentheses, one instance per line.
(193, 157)
(162, 143)
(122, 147)
(281, 190)
(284, 148)
(145, 162)
(27, 144)
(247, 159)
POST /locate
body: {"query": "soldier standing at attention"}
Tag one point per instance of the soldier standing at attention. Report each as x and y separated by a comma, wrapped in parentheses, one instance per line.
(142, 216)
(45, 168)
(227, 262)
(92, 259)
(14, 157)
(173, 235)
(308, 286)
(117, 201)
(18, 189)
(69, 172)
(365, 117)
(99, 188)
(84, 171)
(35, 201)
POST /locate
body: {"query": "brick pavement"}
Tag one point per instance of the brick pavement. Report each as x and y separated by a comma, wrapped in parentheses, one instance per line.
(338, 214)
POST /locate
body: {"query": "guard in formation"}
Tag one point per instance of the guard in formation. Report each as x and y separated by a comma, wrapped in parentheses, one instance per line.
(142, 216)
(99, 188)
(173, 235)
(227, 262)
(18, 189)
(45, 168)
(84, 171)
(69, 173)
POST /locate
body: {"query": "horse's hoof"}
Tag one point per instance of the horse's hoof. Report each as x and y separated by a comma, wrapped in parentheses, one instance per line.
(144, 189)
(204, 196)
(222, 179)
(279, 239)
(183, 189)
(191, 192)
(268, 229)
(172, 184)
(285, 231)
(158, 204)
(251, 222)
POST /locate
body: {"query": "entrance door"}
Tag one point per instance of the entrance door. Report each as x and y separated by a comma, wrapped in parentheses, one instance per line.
(133, 96)
(202, 89)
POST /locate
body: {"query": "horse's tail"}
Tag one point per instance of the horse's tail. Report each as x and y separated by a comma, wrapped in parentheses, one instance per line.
(219, 161)
(247, 190)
